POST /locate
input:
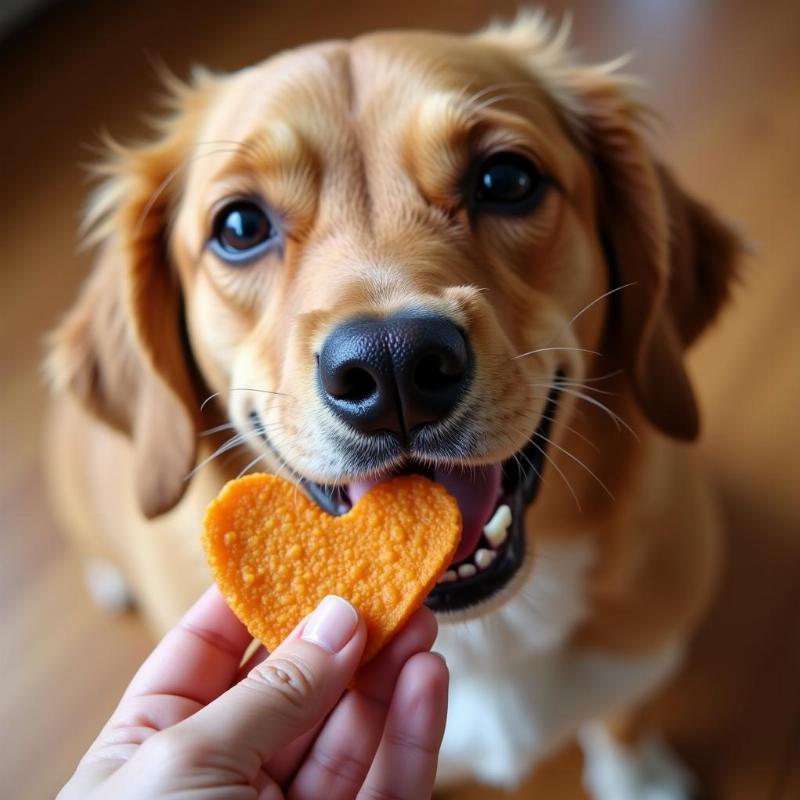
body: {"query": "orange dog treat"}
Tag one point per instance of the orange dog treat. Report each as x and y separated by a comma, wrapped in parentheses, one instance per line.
(275, 554)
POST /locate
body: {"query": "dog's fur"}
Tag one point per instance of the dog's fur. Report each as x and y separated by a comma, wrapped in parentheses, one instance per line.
(361, 147)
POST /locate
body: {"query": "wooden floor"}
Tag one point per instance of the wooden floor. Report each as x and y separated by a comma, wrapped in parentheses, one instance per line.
(726, 77)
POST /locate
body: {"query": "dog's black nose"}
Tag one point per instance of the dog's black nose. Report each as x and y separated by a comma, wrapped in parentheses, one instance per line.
(394, 374)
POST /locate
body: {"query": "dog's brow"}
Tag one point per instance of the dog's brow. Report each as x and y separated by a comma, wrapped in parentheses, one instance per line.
(277, 147)
(449, 126)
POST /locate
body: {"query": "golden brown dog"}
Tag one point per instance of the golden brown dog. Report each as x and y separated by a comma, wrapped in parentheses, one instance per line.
(418, 252)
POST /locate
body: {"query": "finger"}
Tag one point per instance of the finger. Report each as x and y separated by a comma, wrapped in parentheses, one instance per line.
(375, 680)
(418, 634)
(405, 764)
(194, 663)
(339, 759)
(289, 692)
(199, 657)
(284, 764)
(266, 787)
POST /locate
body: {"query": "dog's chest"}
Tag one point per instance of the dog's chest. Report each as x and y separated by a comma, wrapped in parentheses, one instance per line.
(506, 699)
(539, 616)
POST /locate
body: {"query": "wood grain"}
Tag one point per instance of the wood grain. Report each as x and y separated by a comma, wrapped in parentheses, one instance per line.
(726, 78)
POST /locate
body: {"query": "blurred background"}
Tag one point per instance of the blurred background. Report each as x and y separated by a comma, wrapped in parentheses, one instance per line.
(725, 76)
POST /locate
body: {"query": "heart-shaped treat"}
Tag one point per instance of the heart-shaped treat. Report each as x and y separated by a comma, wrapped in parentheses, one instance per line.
(275, 554)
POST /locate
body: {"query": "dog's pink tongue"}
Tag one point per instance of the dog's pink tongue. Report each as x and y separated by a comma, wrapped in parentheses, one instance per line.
(475, 489)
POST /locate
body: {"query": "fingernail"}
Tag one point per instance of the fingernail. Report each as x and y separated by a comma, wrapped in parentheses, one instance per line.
(440, 656)
(332, 624)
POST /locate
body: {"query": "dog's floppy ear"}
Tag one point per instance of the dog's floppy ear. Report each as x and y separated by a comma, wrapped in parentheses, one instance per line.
(121, 349)
(674, 259)
(671, 258)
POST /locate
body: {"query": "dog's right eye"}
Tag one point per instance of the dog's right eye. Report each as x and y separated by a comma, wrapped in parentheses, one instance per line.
(241, 232)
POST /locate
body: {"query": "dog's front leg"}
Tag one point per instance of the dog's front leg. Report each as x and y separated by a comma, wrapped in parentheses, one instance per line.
(624, 762)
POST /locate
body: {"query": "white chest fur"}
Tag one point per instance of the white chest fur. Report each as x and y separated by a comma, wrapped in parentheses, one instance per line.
(538, 618)
(516, 692)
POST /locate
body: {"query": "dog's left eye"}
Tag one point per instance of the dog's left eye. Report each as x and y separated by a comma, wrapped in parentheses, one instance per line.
(508, 183)
(241, 232)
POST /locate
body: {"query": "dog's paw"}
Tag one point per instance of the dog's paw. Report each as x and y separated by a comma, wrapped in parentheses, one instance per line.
(648, 771)
(107, 585)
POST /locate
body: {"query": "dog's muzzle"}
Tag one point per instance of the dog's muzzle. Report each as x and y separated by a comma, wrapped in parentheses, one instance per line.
(397, 380)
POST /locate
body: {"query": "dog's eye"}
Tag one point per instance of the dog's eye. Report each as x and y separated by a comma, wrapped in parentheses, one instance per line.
(508, 183)
(241, 231)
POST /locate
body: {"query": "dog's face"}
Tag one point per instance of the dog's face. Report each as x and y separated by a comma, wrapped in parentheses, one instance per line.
(393, 255)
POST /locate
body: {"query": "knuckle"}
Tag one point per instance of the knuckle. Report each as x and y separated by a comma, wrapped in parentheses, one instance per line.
(129, 716)
(127, 734)
(289, 677)
(340, 766)
(135, 726)
(376, 793)
(403, 741)
(178, 752)
(170, 751)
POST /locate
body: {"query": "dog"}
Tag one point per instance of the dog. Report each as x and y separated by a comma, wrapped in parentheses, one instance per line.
(417, 252)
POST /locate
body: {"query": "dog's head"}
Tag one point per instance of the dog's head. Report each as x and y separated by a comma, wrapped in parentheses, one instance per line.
(397, 253)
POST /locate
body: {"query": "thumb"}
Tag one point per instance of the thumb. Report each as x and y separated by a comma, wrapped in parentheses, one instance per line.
(292, 690)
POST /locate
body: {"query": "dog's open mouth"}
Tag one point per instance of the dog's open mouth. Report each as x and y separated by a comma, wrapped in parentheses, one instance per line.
(492, 499)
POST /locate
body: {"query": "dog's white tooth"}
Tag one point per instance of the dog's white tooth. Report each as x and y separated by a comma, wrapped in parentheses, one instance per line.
(448, 577)
(467, 570)
(484, 557)
(496, 529)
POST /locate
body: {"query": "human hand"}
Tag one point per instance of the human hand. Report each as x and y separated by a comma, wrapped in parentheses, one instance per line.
(193, 723)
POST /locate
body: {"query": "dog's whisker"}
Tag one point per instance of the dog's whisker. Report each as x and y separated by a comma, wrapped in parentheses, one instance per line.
(573, 389)
(276, 443)
(573, 385)
(230, 444)
(572, 321)
(619, 422)
(560, 472)
(579, 462)
(531, 465)
(235, 441)
(275, 431)
(262, 391)
(598, 299)
(520, 435)
(573, 431)
(555, 467)
(226, 426)
(244, 389)
(208, 400)
(605, 377)
(517, 462)
(547, 349)
(255, 461)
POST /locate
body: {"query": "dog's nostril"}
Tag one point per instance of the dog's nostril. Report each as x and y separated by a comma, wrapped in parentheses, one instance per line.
(435, 372)
(357, 385)
(350, 381)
